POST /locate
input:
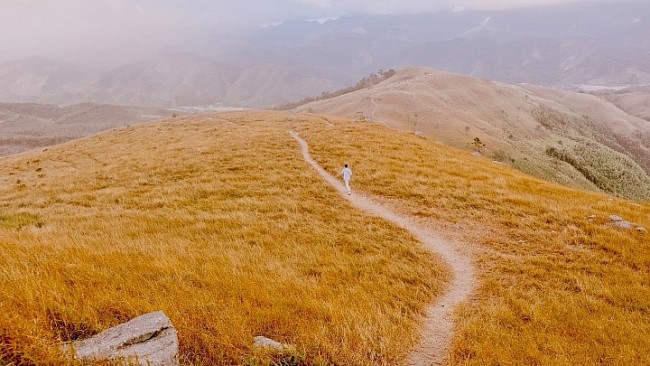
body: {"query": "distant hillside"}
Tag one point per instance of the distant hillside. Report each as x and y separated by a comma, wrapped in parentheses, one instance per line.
(571, 138)
(366, 82)
(169, 81)
(25, 126)
(38, 79)
(174, 80)
(636, 103)
(267, 85)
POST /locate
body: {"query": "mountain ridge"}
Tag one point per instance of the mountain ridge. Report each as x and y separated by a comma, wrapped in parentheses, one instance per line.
(521, 125)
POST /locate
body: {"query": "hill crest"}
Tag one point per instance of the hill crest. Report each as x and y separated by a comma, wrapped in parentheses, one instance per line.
(517, 123)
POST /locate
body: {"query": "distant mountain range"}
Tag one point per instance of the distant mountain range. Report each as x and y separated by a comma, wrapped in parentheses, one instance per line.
(580, 45)
(564, 46)
(175, 80)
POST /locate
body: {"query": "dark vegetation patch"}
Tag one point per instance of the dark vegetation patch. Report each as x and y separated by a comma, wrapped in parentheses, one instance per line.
(368, 81)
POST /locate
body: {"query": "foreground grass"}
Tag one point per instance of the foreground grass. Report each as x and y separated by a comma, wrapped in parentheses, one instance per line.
(554, 287)
(219, 223)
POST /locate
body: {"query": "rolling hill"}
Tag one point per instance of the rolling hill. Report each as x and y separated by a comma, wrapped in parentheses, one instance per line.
(571, 138)
(218, 221)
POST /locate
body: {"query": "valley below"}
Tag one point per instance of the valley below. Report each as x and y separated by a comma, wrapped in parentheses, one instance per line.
(27, 126)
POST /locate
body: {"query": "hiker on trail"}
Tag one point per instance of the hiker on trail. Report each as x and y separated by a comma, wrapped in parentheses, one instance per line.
(347, 174)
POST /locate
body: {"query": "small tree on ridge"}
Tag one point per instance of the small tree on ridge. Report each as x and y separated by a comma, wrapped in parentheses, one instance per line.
(477, 144)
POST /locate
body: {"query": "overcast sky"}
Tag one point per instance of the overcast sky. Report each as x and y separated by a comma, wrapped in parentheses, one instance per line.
(69, 29)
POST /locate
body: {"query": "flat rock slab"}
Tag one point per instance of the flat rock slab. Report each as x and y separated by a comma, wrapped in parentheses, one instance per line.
(263, 342)
(149, 339)
(625, 225)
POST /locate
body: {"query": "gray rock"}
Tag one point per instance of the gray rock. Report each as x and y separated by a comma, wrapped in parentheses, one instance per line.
(476, 154)
(626, 225)
(149, 339)
(263, 342)
(615, 218)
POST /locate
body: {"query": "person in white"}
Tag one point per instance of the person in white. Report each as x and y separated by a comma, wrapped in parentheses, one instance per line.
(347, 175)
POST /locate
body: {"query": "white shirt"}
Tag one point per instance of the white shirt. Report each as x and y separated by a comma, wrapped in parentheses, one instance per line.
(347, 173)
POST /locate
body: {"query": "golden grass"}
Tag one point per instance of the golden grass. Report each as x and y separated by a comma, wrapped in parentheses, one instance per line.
(554, 288)
(215, 220)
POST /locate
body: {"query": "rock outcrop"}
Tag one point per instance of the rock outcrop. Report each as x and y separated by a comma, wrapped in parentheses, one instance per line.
(618, 222)
(149, 339)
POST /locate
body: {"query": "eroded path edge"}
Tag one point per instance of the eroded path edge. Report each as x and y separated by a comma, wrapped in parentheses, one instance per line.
(438, 327)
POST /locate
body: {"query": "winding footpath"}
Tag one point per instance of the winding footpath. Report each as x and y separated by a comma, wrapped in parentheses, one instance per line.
(373, 106)
(438, 327)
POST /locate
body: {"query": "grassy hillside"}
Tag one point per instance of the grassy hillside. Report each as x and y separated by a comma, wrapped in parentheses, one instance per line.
(218, 222)
(517, 123)
(556, 288)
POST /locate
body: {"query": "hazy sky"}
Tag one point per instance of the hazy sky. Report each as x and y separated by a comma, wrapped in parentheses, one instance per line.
(110, 29)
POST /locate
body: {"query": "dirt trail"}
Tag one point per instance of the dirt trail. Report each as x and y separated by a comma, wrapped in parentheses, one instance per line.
(373, 106)
(438, 328)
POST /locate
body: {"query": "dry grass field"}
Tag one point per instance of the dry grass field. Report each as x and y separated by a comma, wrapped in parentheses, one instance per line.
(217, 221)
(555, 288)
